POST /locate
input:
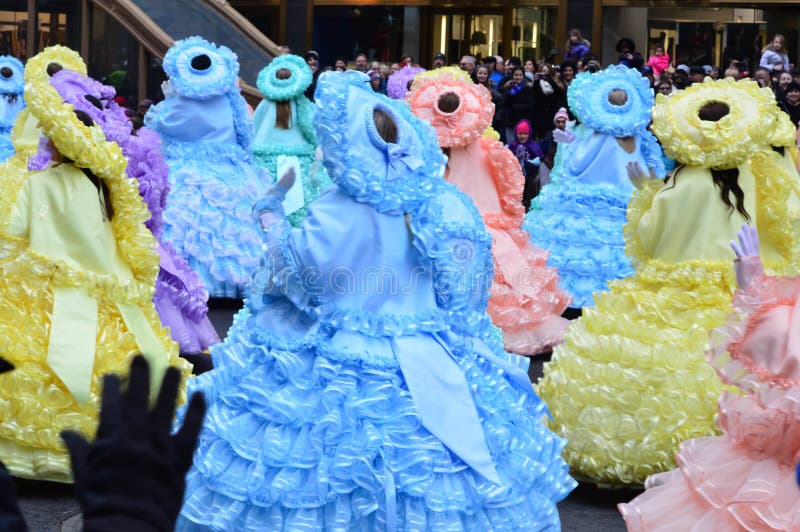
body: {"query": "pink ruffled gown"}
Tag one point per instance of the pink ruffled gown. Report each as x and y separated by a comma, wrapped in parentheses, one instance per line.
(744, 479)
(526, 301)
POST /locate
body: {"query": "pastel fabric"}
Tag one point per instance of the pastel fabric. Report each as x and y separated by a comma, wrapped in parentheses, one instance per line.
(76, 288)
(180, 297)
(578, 217)
(322, 415)
(299, 139)
(206, 136)
(12, 87)
(634, 396)
(526, 300)
(744, 479)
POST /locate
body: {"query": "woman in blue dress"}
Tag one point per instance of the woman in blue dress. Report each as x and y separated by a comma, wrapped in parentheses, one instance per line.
(207, 136)
(579, 216)
(343, 398)
(12, 87)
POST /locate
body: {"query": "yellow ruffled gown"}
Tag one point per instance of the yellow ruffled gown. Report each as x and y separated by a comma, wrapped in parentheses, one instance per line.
(630, 381)
(75, 296)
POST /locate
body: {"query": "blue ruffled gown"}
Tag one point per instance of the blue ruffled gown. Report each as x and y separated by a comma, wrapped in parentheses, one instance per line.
(361, 388)
(11, 101)
(580, 215)
(208, 217)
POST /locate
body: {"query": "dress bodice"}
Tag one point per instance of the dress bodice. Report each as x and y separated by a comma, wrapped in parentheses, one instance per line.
(360, 266)
(599, 159)
(468, 170)
(186, 120)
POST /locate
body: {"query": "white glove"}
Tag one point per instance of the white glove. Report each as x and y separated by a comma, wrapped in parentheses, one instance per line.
(748, 264)
(566, 136)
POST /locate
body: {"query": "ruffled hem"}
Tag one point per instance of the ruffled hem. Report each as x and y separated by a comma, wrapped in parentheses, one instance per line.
(581, 227)
(638, 380)
(37, 405)
(325, 444)
(718, 488)
(209, 221)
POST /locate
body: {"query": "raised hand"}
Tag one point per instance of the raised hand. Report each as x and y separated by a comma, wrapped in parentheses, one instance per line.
(748, 262)
(132, 476)
(566, 136)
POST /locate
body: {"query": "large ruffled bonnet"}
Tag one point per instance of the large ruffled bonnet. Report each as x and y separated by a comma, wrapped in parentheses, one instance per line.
(588, 98)
(468, 121)
(391, 177)
(753, 123)
(276, 89)
(397, 84)
(12, 81)
(199, 69)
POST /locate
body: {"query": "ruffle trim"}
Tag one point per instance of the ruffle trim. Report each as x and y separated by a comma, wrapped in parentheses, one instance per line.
(726, 143)
(219, 78)
(470, 119)
(284, 89)
(88, 147)
(16, 83)
(397, 84)
(354, 168)
(588, 100)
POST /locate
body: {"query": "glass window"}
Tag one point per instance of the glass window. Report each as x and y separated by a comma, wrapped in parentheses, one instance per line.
(14, 28)
(114, 56)
(346, 30)
(533, 33)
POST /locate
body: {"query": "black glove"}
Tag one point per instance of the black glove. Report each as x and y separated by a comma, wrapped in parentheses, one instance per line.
(10, 515)
(132, 476)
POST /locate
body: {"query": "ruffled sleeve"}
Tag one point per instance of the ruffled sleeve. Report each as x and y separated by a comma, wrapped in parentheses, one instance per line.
(449, 235)
(652, 153)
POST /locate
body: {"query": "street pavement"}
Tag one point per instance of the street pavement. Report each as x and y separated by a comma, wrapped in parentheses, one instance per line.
(50, 507)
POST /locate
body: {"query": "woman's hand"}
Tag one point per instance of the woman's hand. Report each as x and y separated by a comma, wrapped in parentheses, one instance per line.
(748, 262)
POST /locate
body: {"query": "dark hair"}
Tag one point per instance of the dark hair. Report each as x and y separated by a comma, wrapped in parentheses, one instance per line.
(726, 180)
(448, 102)
(52, 68)
(100, 185)
(385, 125)
(283, 109)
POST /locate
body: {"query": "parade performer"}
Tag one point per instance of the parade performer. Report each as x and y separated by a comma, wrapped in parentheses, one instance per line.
(207, 135)
(399, 82)
(634, 364)
(78, 270)
(579, 216)
(12, 84)
(322, 413)
(744, 479)
(526, 301)
(180, 297)
(284, 126)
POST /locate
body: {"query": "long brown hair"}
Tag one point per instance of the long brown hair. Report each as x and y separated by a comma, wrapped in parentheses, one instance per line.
(386, 126)
(283, 109)
(726, 180)
(100, 185)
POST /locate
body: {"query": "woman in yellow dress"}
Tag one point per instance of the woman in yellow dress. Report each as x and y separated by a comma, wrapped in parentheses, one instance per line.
(631, 382)
(77, 274)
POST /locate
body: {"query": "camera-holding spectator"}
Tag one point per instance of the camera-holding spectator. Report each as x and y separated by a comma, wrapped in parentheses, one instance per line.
(517, 94)
(628, 55)
(763, 77)
(549, 94)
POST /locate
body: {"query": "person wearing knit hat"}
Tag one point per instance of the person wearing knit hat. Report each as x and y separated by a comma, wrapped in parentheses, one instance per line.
(561, 118)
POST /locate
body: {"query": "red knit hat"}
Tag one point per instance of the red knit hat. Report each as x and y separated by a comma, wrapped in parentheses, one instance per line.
(523, 127)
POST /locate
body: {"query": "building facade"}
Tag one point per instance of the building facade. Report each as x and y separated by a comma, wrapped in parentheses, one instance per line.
(693, 31)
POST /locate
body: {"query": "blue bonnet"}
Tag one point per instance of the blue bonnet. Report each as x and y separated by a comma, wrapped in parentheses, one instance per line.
(392, 178)
(199, 69)
(11, 80)
(588, 101)
(284, 89)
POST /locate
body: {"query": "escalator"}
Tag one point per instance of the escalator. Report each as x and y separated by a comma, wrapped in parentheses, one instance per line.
(156, 24)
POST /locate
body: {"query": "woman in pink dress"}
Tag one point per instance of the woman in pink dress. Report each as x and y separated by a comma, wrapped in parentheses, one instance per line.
(526, 301)
(744, 479)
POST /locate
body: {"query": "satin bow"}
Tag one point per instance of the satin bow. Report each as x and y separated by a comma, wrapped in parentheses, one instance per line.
(401, 160)
(721, 128)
